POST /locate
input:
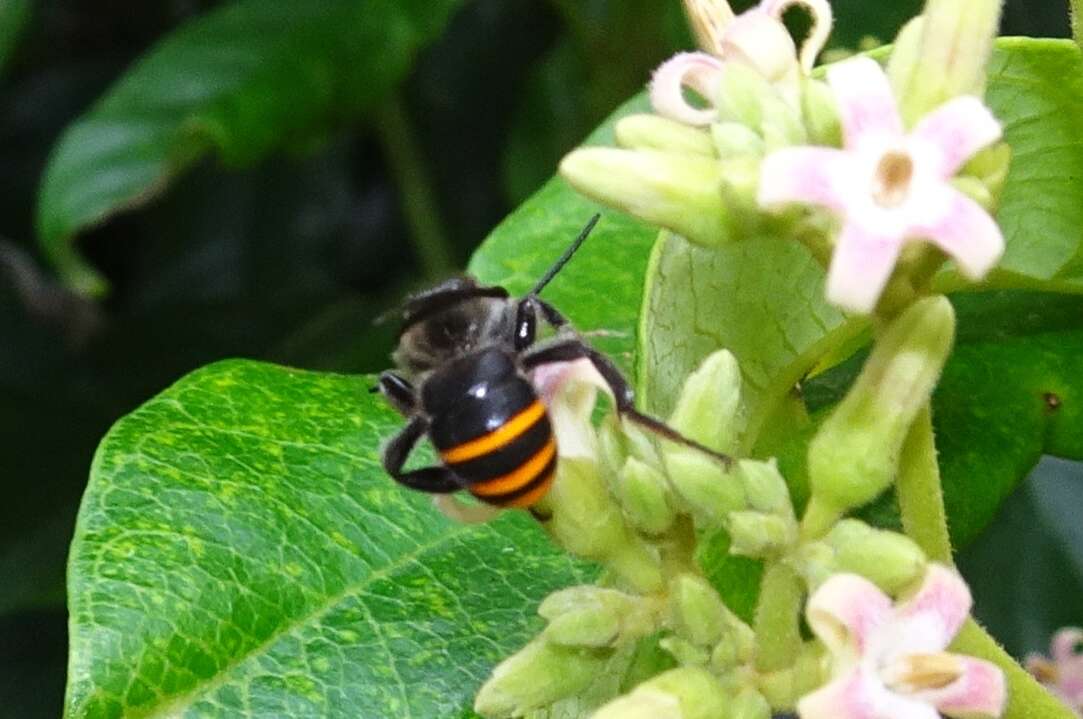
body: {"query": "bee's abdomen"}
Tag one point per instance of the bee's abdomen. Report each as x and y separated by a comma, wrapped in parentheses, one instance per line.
(510, 466)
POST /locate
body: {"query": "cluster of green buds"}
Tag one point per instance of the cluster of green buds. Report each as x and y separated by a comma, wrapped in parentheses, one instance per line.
(884, 175)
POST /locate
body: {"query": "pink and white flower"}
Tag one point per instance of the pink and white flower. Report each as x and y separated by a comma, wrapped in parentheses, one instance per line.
(889, 660)
(888, 186)
(756, 38)
(1064, 674)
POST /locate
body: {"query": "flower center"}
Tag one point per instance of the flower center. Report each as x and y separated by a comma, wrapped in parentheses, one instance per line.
(891, 184)
(916, 672)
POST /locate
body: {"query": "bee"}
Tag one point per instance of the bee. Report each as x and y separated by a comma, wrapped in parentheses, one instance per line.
(465, 353)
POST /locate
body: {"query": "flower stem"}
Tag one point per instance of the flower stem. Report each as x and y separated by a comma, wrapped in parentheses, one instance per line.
(921, 500)
(415, 188)
(1027, 699)
(1077, 21)
(778, 634)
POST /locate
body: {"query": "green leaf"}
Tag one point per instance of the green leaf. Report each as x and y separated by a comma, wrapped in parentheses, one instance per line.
(601, 289)
(241, 552)
(240, 81)
(761, 298)
(1036, 89)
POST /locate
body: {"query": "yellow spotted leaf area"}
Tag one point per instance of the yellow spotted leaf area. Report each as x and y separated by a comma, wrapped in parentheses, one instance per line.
(240, 552)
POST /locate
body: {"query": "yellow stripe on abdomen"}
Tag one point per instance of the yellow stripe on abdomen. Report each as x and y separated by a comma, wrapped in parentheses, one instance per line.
(496, 439)
(518, 478)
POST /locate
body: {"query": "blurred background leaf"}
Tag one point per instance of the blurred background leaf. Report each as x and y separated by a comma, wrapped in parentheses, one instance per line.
(292, 257)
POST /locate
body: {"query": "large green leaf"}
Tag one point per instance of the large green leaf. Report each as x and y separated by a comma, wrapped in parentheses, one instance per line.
(601, 289)
(241, 81)
(240, 551)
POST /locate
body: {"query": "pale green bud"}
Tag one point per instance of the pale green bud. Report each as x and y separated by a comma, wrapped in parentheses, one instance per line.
(709, 408)
(681, 693)
(990, 167)
(644, 493)
(750, 704)
(686, 653)
(696, 610)
(537, 675)
(732, 139)
(709, 490)
(724, 656)
(742, 93)
(611, 444)
(679, 192)
(855, 454)
(654, 132)
(587, 522)
(781, 125)
(755, 534)
(888, 559)
(764, 486)
(821, 114)
(591, 616)
(955, 44)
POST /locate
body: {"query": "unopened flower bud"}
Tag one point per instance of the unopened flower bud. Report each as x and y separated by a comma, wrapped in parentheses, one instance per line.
(763, 45)
(591, 616)
(644, 493)
(587, 522)
(708, 489)
(696, 610)
(990, 167)
(855, 454)
(686, 653)
(750, 704)
(675, 191)
(681, 693)
(709, 408)
(764, 486)
(821, 114)
(732, 139)
(888, 559)
(755, 534)
(952, 53)
(611, 444)
(537, 675)
(654, 132)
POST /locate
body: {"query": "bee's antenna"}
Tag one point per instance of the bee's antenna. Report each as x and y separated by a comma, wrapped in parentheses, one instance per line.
(559, 264)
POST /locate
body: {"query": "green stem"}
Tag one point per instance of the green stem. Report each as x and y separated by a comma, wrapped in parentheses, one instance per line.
(1027, 699)
(778, 633)
(419, 204)
(1077, 21)
(921, 500)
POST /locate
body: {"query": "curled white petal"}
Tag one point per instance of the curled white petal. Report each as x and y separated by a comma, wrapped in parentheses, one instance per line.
(845, 610)
(822, 19)
(695, 70)
(859, 694)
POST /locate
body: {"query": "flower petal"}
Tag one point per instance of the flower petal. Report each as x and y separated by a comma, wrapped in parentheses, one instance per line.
(860, 268)
(696, 70)
(867, 106)
(815, 175)
(821, 15)
(845, 610)
(569, 391)
(860, 695)
(1065, 643)
(966, 232)
(932, 617)
(979, 692)
(955, 131)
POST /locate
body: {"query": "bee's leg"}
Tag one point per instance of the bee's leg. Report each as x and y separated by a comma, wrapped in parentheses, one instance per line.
(399, 392)
(434, 480)
(575, 349)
